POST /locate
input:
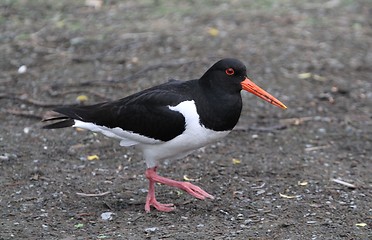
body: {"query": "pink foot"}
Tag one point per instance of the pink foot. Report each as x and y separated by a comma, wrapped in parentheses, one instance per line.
(193, 190)
(186, 186)
(151, 201)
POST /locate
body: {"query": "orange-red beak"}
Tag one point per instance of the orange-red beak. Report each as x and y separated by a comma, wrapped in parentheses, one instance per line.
(251, 87)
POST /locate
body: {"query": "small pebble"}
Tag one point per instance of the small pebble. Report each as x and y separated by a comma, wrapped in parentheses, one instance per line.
(22, 69)
(26, 130)
(259, 192)
(107, 216)
(311, 222)
(8, 156)
(322, 130)
(151, 229)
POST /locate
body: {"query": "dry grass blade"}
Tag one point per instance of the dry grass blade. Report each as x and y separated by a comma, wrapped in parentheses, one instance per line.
(93, 194)
(339, 181)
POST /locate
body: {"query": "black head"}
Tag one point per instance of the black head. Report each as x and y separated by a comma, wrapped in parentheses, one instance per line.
(226, 75)
(229, 76)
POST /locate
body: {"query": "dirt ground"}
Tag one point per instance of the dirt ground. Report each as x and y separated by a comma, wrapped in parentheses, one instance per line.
(303, 173)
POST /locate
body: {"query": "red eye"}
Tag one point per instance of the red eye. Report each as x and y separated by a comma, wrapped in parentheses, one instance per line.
(229, 71)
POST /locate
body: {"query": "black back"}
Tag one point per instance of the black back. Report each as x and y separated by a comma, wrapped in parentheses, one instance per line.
(216, 95)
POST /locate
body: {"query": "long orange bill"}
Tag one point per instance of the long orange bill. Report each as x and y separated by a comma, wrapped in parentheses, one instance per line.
(251, 87)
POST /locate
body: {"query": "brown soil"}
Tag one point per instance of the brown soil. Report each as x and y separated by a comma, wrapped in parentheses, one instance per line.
(273, 177)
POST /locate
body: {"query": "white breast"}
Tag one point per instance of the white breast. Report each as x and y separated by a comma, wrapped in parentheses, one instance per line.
(194, 137)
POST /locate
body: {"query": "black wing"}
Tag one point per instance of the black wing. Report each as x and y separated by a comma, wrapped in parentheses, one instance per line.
(146, 113)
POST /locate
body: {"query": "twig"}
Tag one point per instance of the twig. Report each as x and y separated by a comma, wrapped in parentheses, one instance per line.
(30, 101)
(339, 181)
(96, 57)
(23, 113)
(301, 120)
(41, 49)
(119, 82)
(93, 194)
(273, 128)
(258, 187)
(309, 149)
(55, 93)
(173, 63)
(81, 215)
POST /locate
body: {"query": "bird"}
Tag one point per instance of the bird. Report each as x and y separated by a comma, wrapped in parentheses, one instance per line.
(171, 120)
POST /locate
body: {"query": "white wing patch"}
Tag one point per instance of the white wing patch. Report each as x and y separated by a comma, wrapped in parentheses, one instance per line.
(127, 138)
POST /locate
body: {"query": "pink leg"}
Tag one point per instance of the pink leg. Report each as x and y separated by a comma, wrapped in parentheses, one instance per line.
(186, 186)
(151, 200)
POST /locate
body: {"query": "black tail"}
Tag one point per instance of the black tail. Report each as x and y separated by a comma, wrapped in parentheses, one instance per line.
(65, 115)
(62, 124)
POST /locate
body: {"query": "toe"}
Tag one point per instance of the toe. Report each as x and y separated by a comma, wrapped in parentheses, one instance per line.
(196, 191)
(168, 207)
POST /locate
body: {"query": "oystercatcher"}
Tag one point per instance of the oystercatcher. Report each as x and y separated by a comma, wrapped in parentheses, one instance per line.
(171, 120)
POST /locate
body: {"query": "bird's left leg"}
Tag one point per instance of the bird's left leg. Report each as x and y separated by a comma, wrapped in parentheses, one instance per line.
(151, 199)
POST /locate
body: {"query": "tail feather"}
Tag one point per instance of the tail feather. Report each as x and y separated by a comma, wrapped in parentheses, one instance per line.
(65, 115)
(61, 124)
(62, 120)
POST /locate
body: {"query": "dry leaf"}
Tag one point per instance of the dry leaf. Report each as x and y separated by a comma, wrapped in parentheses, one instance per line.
(287, 196)
(319, 78)
(235, 161)
(304, 75)
(361, 224)
(304, 183)
(213, 31)
(79, 225)
(94, 3)
(82, 98)
(186, 178)
(313, 76)
(92, 157)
